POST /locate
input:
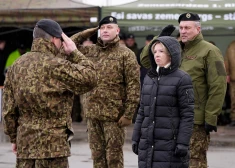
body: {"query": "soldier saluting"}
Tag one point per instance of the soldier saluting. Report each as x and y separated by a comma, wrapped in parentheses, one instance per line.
(38, 97)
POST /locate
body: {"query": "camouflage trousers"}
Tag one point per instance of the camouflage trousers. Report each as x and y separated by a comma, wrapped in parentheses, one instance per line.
(106, 140)
(61, 162)
(232, 96)
(199, 143)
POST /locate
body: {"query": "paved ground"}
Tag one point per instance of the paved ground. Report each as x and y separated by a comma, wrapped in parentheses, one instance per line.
(224, 137)
(218, 157)
(221, 153)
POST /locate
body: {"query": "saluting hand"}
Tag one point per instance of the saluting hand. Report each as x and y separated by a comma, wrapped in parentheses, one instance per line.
(69, 45)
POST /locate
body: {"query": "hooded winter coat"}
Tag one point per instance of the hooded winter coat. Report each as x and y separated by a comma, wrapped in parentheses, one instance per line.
(165, 116)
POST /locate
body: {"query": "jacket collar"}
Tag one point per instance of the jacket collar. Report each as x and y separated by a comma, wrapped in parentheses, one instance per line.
(111, 44)
(43, 45)
(192, 42)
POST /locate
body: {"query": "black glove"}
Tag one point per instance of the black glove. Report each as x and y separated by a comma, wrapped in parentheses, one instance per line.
(167, 31)
(181, 150)
(135, 147)
(209, 128)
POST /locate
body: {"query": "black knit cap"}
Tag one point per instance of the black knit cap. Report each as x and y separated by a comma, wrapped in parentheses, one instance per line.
(132, 36)
(149, 37)
(189, 17)
(108, 20)
(50, 26)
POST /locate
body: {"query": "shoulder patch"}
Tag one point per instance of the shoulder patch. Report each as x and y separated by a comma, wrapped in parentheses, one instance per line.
(191, 57)
(220, 68)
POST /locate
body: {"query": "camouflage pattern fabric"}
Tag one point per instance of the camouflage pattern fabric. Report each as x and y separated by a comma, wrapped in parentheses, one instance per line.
(232, 95)
(229, 61)
(38, 97)
(116, 95)
(118, 89)
(42, 163)
(199, 144)
(106, 141)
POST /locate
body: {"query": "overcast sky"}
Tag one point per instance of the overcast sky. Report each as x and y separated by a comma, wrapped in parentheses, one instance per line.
(106, 2)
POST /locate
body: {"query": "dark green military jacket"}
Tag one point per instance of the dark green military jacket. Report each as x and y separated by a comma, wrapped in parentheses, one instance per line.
(38, 97)
(118, 89)
(205, 64)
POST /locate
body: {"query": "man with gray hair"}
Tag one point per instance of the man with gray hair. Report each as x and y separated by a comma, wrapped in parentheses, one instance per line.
(38, 97)
(204, 62)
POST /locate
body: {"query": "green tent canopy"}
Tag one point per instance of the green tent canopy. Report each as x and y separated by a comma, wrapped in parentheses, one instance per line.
(18, 17)
(145, 16)
(25, 13)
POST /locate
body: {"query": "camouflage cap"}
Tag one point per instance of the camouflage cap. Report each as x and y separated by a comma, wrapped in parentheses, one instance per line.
(189, 17)
(50, 26)
(108, 20)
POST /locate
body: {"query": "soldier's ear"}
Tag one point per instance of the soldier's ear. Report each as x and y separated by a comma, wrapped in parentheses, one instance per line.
(118, 31)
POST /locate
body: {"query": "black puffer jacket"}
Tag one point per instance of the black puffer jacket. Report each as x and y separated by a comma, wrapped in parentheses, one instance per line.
(165, 116)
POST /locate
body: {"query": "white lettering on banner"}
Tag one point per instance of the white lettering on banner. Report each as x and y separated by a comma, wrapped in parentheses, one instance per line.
(189, 5)
(139, 16)
(166, 16)
(169, 16)
(206, 17)
(229, 5)
(173, 5)
(117, 15)
(157, 28)
(229, 16)
(144, 28)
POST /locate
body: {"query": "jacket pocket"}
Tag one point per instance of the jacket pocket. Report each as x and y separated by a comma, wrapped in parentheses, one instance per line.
(190, 96)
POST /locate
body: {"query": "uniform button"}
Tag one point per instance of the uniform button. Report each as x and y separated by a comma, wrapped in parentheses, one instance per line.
(153, 122)
(154, 97)
(152, 146)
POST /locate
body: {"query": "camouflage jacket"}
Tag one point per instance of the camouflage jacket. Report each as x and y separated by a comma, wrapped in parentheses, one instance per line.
(38, 97)
(229, 61)
(118, 89)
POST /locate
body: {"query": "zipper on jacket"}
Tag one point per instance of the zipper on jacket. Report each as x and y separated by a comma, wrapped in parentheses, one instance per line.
(173, 130)
(187, 95)
(173, 127)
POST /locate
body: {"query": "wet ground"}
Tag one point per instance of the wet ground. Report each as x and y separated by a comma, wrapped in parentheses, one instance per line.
(81, 157)
(221, 153)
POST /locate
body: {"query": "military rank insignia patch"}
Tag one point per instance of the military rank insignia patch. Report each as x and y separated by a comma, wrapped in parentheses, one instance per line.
(191, 57)
(111, 19)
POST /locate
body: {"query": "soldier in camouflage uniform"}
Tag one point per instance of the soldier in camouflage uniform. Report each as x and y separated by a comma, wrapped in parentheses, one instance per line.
(38, 97)
(111, 105)
(229, 61)
(204, 62)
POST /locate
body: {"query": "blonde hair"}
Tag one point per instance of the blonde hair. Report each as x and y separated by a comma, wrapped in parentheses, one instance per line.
(158, 42)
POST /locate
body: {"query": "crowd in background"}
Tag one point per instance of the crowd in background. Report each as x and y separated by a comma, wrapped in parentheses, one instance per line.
(183, 84)
(10, 52)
